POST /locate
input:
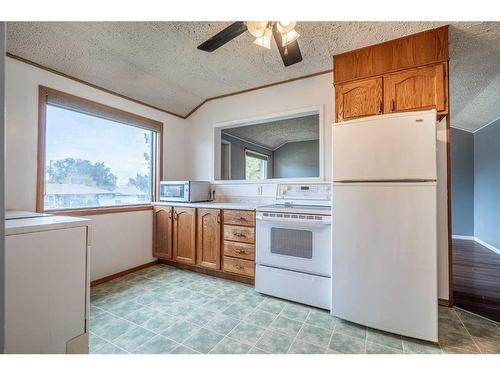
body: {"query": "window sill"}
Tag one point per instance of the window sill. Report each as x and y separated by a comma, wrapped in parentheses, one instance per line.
(100, 210)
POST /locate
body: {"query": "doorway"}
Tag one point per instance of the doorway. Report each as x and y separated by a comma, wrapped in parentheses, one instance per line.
(476, 219)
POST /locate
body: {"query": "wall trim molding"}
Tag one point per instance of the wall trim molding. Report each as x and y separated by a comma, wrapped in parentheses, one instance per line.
(122, 273)
(487, 245)
(444, 302)
(461, 237)
(97, 87)
(478, 240)
(43, 67)
(489, 123)
(329, 71)
(463, 129)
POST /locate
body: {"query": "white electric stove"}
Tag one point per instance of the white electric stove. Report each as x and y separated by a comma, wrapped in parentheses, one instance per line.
(293, 245)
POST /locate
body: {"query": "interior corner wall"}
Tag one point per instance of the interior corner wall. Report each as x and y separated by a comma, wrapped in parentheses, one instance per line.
(120, 241)
(487, 184)
(462, 182)
(297, 159)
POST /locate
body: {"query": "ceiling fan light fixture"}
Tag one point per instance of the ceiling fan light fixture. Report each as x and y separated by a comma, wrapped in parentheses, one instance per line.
(257, 28)
(264, 40)
(285, 26)
(289, 37)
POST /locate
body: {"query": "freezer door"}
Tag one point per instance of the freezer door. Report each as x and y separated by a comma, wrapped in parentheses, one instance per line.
(386, 148)
(385, 257)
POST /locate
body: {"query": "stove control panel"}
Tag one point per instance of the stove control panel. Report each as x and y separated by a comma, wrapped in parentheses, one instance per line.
(293, 192)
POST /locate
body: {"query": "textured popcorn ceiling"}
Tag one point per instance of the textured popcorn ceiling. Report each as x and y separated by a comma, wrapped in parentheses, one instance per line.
(274, 134)
(158, 63)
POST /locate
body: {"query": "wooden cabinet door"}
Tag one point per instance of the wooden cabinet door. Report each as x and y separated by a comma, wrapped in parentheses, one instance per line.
(358, 99)
(184, 250)
(162, 232)
(208, 238)
(416, 89)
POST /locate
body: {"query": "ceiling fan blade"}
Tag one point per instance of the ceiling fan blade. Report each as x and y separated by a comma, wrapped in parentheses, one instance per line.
(226, 35)
(289, 54)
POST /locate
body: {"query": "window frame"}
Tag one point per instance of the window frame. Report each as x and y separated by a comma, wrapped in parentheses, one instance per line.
(155, 126)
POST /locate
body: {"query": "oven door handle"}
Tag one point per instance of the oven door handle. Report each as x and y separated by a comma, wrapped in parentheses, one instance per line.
(325, 221)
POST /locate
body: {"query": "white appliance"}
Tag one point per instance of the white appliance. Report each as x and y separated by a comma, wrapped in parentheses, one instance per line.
(46, 283)
(384, 223)
(293, 245)
(184, 191)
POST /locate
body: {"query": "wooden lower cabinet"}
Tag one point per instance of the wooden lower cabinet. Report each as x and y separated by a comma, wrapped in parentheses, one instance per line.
(162, 232)
(239, 266)
(239, 250)
(184, 233)
(240, 234)
(201, 239)
(209, 238)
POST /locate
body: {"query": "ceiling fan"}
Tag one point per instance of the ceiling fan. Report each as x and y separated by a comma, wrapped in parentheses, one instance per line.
(283, 31)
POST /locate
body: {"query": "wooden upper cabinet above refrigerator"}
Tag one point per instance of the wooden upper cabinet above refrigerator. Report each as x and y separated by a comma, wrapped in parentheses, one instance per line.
(405, 74)
(416, 89)
(358, 99)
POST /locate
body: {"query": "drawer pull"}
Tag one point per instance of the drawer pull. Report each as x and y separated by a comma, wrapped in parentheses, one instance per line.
(238, 234)
(239, 267)
(241, 251)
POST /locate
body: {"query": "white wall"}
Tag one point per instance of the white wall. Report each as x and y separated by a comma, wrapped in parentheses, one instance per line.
(121, 241)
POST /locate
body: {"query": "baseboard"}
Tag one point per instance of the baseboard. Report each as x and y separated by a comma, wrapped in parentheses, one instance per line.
(487, 245)
(460, 237)
(122, 273)
(444, 302)
(479, 241)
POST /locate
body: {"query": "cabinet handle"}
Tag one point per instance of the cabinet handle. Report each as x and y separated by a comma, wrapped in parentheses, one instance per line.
(239, 267)
(218, 218)
(393, 105)
(237, 234)
(170, 214)
(175, 215)
(240, 218)
(380, 107)
(241, 251)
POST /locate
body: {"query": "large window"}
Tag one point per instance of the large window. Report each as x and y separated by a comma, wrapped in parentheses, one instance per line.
(94, 156)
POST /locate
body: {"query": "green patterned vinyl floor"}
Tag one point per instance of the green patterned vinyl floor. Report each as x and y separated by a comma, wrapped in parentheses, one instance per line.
(162, 309)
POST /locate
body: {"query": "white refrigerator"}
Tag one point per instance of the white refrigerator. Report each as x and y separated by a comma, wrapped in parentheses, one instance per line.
(384, 270)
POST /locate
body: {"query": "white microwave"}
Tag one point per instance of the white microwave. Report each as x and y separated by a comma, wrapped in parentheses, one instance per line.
(184, 191)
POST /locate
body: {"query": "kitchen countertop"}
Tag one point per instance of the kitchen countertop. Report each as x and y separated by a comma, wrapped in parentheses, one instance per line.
(43, 223)
(221, 205)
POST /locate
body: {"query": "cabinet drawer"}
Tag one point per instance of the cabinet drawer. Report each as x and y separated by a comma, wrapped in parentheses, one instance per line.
(239, 250)
(240, 234)
(235, 217)
(239, 266)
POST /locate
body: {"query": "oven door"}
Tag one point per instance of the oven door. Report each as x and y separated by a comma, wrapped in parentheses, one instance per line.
(174, 192)
(295, 245)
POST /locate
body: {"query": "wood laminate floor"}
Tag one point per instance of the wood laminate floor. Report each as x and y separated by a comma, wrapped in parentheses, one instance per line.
(162, 309)
(476, 279)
